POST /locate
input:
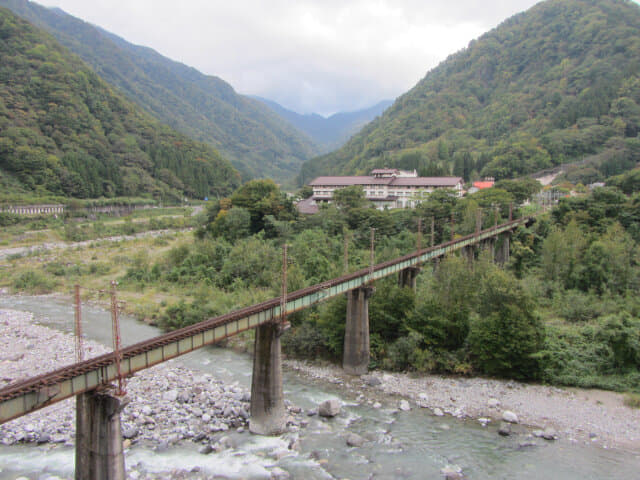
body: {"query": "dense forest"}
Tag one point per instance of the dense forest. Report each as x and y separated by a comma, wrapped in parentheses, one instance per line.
(558, 83)
(64, 131)
(255, 139)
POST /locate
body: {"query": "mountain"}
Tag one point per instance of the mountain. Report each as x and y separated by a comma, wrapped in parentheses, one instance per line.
(252, 136)
(555, 84)
(64, 131)
(331, 132)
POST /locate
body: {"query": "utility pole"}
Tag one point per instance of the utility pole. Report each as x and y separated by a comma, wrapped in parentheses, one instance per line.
(283, 297)
(433, 231)
(78, 326)
(346, 252)
(453, 227)
(372, 258)
(115, 324)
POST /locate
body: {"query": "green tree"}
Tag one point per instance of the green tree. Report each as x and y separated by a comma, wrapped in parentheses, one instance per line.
(349, 197)
(262, 198)
(507, 333)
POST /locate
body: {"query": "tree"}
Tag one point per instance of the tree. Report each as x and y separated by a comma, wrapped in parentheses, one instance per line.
(349, 197)
(261, 198)
(520, 189)
(507, 333)
(443, 317)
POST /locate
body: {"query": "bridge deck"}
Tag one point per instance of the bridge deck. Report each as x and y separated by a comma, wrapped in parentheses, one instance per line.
(37, 392)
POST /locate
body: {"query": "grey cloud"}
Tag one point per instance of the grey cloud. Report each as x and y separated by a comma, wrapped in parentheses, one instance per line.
(310, 55)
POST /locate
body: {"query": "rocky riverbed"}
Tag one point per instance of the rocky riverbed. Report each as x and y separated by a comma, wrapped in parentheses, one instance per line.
(593, 416)
(166, 405)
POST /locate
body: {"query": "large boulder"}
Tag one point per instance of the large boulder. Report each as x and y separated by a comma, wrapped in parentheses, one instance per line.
(329, 408)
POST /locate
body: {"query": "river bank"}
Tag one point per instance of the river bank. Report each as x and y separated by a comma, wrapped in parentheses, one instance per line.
(577, 415)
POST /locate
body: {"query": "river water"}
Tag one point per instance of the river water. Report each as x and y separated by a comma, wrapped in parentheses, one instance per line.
(407, 445)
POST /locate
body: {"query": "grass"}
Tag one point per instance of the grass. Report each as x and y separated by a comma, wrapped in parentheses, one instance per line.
(632, 400)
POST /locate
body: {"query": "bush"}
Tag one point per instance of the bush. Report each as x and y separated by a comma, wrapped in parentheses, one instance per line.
(34, 282)
(576, 306)
(7, 219)
(304, 341)
(401, 354)
(632, 400)
(621, 333)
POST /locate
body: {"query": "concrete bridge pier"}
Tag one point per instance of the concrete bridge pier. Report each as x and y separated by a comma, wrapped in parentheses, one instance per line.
(407, 277)
(503, 248)
(267, 400)
(490, 245)
(469, 253)
(355, 360)
(99, 452)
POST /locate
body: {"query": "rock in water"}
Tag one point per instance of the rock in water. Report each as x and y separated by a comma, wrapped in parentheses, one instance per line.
(329, 408)
(279, 474)
(355, 440)
(404, 406)
(452, 472)
(509, 416)
(372, 381)
(130, 432)
(505, 429)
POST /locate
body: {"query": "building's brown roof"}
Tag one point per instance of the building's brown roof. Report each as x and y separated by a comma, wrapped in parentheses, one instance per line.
(400, 181)
(427, 181)
(346, 181)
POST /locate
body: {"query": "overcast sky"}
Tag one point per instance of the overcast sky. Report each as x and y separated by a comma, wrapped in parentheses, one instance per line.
(318, 56)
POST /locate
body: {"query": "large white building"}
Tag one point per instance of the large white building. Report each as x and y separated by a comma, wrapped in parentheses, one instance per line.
(386, 187)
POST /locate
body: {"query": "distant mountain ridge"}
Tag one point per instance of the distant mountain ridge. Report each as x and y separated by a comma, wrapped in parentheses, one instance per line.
(65, 131)
(557, 83)
(252, 136)
(329, 132)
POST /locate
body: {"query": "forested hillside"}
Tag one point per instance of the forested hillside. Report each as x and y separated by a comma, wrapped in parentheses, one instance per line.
(253, 137)
(558, 83)
(331, 132)
(64, 131)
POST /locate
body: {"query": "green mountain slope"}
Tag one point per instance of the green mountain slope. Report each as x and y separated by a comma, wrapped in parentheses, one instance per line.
(252, 136)
(557, 83)
(64, 131)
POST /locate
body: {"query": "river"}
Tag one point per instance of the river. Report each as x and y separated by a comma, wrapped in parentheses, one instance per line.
(411, 445)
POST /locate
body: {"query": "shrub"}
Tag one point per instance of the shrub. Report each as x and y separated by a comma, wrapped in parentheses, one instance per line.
(304, 341)
(34, 282)
(632, 400)
(401, 354)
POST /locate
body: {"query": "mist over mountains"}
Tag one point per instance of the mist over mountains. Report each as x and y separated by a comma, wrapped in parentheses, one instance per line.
(333, 131)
